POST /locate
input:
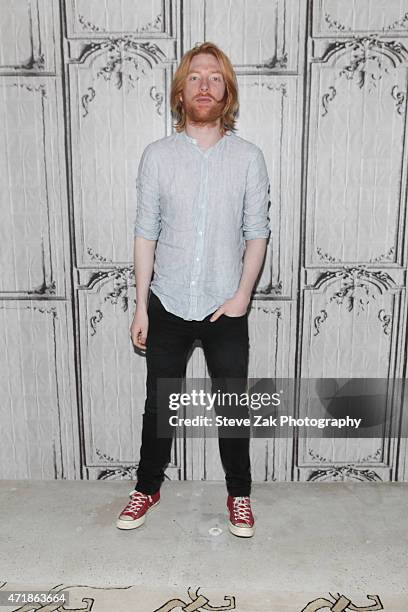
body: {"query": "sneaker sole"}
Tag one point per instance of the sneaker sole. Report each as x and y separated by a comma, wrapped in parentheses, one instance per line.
(133, 524)
(241, 532)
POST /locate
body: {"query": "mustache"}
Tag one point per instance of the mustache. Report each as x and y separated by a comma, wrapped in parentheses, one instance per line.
(208, 96)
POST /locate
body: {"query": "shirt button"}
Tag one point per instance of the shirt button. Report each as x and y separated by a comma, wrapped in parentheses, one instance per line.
(197, 258)
(193, 282)
(200, 233)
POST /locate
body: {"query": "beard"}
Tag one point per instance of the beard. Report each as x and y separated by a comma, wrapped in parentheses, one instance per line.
(204, 114)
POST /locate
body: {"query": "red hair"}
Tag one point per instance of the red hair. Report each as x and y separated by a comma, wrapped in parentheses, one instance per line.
(231, 86)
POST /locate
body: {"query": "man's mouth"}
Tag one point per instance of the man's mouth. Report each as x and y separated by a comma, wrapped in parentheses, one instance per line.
(204, 99)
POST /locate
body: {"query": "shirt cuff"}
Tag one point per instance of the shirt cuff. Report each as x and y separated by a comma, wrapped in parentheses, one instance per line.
(145, 234)
(253, 234)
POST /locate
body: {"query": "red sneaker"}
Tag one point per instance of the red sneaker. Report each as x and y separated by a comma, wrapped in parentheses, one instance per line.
(241, 521)
(134, 513)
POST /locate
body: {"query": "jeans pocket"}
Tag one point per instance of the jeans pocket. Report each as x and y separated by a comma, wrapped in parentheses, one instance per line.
(235, 317)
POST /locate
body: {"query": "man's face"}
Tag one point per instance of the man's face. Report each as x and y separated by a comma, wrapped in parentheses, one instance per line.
(204, 89)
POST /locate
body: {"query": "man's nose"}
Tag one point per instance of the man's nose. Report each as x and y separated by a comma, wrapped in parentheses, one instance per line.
(204, 83)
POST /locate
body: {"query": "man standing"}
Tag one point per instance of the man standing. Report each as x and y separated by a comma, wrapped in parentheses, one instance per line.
(201, 229)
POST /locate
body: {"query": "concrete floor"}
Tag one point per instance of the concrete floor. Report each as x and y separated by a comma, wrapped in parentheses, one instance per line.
(317, 537)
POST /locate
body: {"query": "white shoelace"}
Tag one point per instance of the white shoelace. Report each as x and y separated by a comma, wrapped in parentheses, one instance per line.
(137, 500)
(242, 508)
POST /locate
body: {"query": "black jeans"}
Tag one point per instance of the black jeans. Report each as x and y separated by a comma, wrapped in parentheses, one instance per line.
(169, 340)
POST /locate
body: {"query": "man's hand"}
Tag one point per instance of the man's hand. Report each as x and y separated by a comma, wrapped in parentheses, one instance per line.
(138, 329)
(233, 307)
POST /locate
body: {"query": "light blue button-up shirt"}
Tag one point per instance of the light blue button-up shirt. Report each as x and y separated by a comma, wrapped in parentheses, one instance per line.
(200, 206)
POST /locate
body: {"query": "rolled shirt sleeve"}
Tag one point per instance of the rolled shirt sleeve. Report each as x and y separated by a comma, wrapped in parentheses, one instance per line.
(256, 200)
(147, 221)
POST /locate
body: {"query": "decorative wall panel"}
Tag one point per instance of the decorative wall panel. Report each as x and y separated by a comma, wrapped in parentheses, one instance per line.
(85, 87)
(39, 426)
(32, 232)
(269, 116)
(356, 196)
(29, 35)
(342, 19)
(278, 24)
(152, 18)
(118, 88)
(352, 333)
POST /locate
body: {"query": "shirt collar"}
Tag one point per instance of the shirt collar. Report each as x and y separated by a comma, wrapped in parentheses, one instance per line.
(184, 135)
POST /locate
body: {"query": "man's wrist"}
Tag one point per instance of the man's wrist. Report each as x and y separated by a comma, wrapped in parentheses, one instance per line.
(141, 306)
(244, 294)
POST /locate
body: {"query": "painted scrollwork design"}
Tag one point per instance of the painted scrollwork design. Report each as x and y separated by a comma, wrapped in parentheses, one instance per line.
(96, 318)
(335, 24)
(276, 61)
(358, 287)
(385, 320)
(399, 97)
(44, 309)
(155, 25)
(41, 88)
(401, 23)
(328, 97)
(88, 25)
(97, 256)
(318, 320)
(34, 63)
(270, 288)
(371, 457)
(86, 99)
(388, 256)
(45, 288)
(127, 62)
(115, 473)
(120, 472)
(328, 258)
(158, 98)
(355, 278)
(272, 86)
(344, 472)
(325, 256)
(366, 68)
(122, 278)
(370, 59)
(350, 295)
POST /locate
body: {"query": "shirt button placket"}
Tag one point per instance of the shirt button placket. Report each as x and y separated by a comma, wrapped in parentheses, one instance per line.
(196, 257)
(201, 218)
(197, 254)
